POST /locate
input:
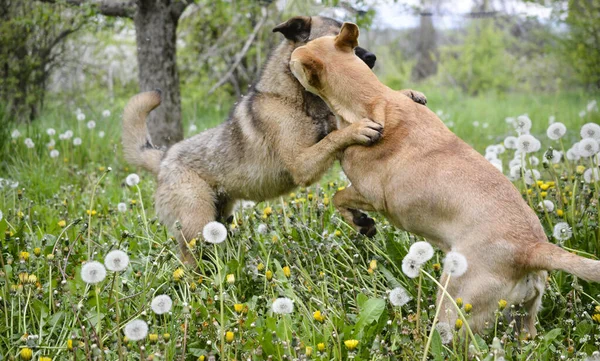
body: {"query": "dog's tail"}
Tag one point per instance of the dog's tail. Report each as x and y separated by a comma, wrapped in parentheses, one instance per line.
(548, 256)
(137, 144)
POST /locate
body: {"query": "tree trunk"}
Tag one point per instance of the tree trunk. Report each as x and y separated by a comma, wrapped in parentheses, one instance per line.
(426, 48)
(155, 29)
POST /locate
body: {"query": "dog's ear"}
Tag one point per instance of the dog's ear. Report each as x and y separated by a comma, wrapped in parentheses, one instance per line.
(295, 29)
(347, 39)
(307, 67)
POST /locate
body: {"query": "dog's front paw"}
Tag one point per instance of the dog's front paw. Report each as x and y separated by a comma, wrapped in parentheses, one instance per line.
(416, 96)
(366, 132)
(365, 224)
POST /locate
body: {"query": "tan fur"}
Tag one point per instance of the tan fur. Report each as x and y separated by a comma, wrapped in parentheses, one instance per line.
(278, 137)
(426, 180)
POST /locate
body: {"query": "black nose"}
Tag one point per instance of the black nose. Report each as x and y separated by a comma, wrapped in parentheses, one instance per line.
(370, 59)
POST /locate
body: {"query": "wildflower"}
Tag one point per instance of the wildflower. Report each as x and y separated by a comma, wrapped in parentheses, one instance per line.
(44, 358)
(502, 304)
(531, 175)
(101, 134)
(596, 317)
(26, 353)
(318, 316)
(32, 279)
(68, 134)
(547, 205)
(287, 271)
(214, 232)
(445, 332)
(554, 156)
(70, 345)
(166, 336)
(262, 228)
(161, 304)
(351, 344)
(523, 124)
(573, 154)
(24, 256)
(373, 264)
(132, 179)
(136, 330)
(267, 211)
(283, 305)
(77, 141)
(15, 134)
(193, 128)
(337, 233)
(91, 124)
(399, 297)
(229, 336)
(62, 223)
(410, 266)
(560, 212)
(579, 169)
(153, 337)
(588, 147)
(321, 346)
(597, 309)
(178, 274)
(29, 143)
(590, 130)
(54, 153)
(527, 143)
(269, 275)
(238, 307)
(260, 267)
(308, 351)
(468, 307)
(455, 264)
(510, 142)
(122, 207)
(421, 251)
(106, 113)
(80, 117)
(556, 131)
(562, 231)
(230, 278)
(37, 251)
(93, 272)
(587, 175)
(116, 260)
(458, 324)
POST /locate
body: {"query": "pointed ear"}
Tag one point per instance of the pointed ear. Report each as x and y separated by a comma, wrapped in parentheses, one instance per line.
(306, 68)
(295, 29)
(347, 39)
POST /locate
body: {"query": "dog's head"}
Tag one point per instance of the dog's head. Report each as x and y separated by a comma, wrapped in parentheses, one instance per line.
(303, 29)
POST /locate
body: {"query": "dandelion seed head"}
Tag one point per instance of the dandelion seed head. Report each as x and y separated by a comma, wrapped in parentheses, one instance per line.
(590, 130)
(556, 131)
(421, 251)
(283, 306)
(122, 207)
(50, 131)
(399, 297)
(515, 172)
(193, 128)
(445, 332)
(161, 304)
(531, 176)
(80, 117)
(534, 160)
(116, 260)
(15, 134)
(68, 134)
(573, 154)
(93, 272)
(101, 134)
(132, 180)
(214, 232)
(29, 143)
(588, 147)
(562, 231)
(136, 330)
(510, 142)
(523, 124)
(455, 264)
(91, 124)
(262, 228)
(589, 173)
(411, 267)
(490, 156)
(106, 113)
(77, 141)
(527, 143)
(555, 156)
(546, 204)
(498, 164)
(54, 153)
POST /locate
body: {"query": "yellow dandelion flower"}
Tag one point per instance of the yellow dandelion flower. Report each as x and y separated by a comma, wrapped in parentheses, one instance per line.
(133, 201)
(318, 316)
(50, 257)
(230, 278)
(166, 336)
(23, 277)
(596, 317)
(229, 336)
(539, 183)
(437, 267)
(192, 243)
(178, 274)
(153, 337)
(24, 256)
(373, 264)
(287, 271)
(458, 324)
(468, 307)
(580, 169)
(351, 344)
(321, 347)
(201, 358)
(274, 239)
(238, 307)
(597, 309)
(62, 223)
(45, 358)
(551, 183)
(502, 304)
(459, 302)
(26, 353)
(37, 251)
(337, 233)
(20, 214)
(370, 271)
(310, 196)
(292, 195)
(341, 188)
(326, 201)
(308, 351)
(70, 345)
(530, 191)
(560, 212)
(267, 211)
(545, 186)
(269, 275)
(32, 279)
(260, 267)
(544, 194)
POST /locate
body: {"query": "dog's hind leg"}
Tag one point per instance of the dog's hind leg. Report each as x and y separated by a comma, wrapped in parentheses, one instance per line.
(350, 203)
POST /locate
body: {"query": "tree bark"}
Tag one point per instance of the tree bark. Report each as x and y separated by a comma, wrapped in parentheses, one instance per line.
(155, 31)
(426, 48)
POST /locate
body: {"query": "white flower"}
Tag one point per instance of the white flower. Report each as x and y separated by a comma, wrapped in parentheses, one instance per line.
(106, 113)
(77, 141)
(445, 332)
(533, 160)
(531, 176)
(475, 124)
(161, 304)
(515, 162)
(527, 143)
(68, 134)
(15, 134)
(54, 153)
(29, 143)
(556, 131)
(587, 175)
(262, 228)
(62, 137)
(411, 267)
(399, 297)
(283, 306)
(132, 179)
(214, 232)
(548, 205)
(101, 134)
(136, 330)
(116, 260)
(421, 251)
(491, 156)
(455, 264)
(515, 172)
(490, 149)
(562, 231)
(91, 124)
(573, 154)
(523, 124)
(588, 147)
(93, 272)
(80, 117)
(50, 131)
(122, 207)
(51, 143)
(590, 130)
(193, 128)
(500, 149)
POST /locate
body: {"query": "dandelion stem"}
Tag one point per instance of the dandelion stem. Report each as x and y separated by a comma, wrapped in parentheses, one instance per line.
(90, 215)
(435, 318)
(419, 303)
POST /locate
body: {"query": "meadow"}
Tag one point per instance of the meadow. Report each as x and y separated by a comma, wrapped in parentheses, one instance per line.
(291, 281)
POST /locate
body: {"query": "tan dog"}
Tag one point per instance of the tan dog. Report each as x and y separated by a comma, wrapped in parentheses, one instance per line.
(426, 180)
(277, 138)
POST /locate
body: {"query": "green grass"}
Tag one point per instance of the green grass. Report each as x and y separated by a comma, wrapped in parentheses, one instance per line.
(330, 266)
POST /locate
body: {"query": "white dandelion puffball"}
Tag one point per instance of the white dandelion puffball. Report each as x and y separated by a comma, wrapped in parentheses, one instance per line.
(136, 330)
(555, 156)
(533, 160)
(91, 124)
(93, 272)
(161, 304)
(587, 175)
(122, 207)
(50, 131)
(551, 119)
(515, 162)
(515, 172)
(15, 134)
(421, 251)
(51, 143)
(262, 228)
(498, 164)
(531, 176)
(399, 297)
(214, 232)
(101, 134)
(283, 306)
(80, 117)
(455, 264)
(106, 113)
(77, 142)
(445, 332)
(562, 231)
(573, 154)
(54, 153)
(29, 143)
(411, 267)
(556, 131)
(68, 134)
(491, 149)
(62, 136)
(500, 149)
(132, 179)
(523, 124)
(527, 143)
(193, 128)
(116, 260)
(590, 130)
(546, 204)
(588, 147)
(490, 156)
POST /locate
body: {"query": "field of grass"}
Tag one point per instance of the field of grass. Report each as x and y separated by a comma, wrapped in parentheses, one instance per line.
(61, 212)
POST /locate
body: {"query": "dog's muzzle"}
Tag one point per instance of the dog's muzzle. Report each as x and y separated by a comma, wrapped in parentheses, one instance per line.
(366, 56)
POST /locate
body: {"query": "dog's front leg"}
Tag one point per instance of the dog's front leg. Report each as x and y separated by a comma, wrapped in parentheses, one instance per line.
(350, 203)
(416, 96)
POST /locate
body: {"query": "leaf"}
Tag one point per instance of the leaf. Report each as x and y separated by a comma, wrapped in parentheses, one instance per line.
(394, 249)
(436, 346)
(361, 299)
(552, 335)
(369, 313)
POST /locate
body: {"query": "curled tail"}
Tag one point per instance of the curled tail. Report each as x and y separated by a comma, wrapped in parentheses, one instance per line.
(548, 256)
(137, 145)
